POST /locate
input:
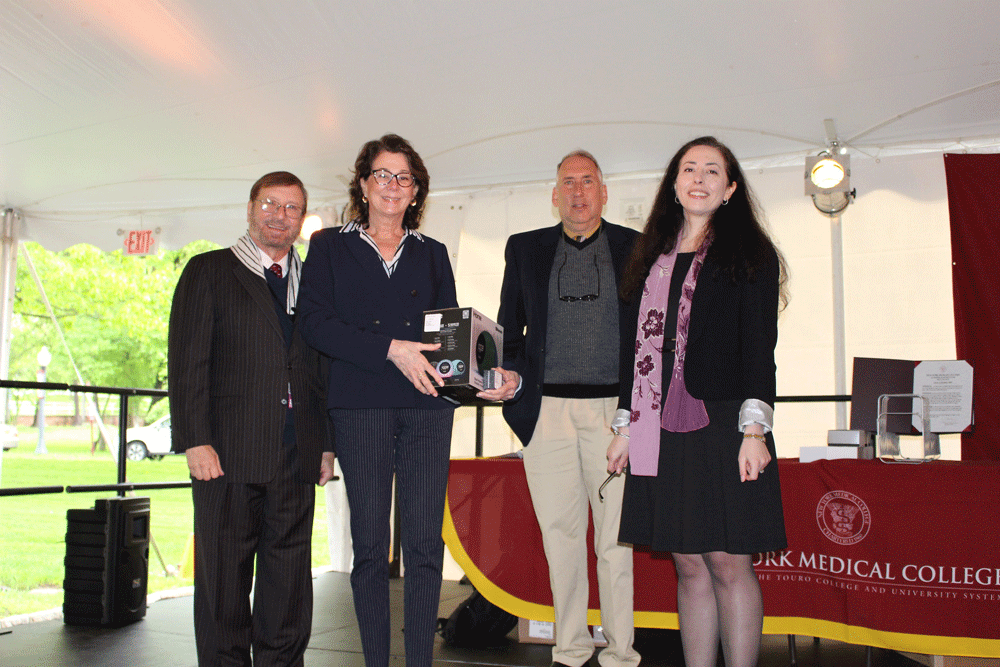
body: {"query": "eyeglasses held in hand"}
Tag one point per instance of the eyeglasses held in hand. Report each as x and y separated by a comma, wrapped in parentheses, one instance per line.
(600, 491)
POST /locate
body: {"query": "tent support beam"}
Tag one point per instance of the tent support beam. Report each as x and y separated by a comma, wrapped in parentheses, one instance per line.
(11, 228)
(839, 318)
(10, 231)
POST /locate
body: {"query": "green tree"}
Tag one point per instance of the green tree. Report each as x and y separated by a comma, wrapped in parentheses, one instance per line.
(113, 309)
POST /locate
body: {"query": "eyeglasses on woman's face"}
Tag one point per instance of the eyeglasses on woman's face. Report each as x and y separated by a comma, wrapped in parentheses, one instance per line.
(384, 177)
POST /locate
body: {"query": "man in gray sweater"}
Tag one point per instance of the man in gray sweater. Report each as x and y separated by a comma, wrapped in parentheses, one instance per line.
(560, 313)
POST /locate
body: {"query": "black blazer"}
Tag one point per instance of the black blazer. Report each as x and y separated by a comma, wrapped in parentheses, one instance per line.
(524, 311)
(350, 311)
(731, 337)
(229, 371)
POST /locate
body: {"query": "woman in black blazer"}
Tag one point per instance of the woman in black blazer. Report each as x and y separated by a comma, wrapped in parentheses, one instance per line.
(702, 288)
(363, 292)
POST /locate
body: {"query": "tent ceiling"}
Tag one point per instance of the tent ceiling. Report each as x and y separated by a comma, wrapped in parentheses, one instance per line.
(170, 108)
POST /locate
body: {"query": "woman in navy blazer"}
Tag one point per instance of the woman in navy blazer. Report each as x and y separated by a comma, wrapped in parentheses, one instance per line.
(703, 288)
(363, 292)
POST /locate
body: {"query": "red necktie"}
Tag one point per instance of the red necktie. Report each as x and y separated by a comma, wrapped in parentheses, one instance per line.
(275, 269)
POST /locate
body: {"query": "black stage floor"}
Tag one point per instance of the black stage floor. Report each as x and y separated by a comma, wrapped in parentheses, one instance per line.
(166, 637)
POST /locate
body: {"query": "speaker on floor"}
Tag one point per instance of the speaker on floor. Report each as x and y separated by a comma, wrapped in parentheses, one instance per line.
(107, 562)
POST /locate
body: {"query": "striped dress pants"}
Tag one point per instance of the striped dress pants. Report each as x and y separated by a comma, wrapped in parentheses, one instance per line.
(373, 445)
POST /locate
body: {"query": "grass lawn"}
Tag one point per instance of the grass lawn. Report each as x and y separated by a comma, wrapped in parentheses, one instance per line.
(33, 528)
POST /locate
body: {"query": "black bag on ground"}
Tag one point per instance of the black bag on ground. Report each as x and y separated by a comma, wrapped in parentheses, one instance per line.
(476, 623)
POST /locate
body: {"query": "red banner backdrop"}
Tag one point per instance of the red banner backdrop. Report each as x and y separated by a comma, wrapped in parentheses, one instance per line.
(974, 208)
(894, 556)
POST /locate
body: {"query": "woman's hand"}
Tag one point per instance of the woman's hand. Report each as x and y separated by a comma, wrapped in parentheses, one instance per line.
(410, 360)
(753, 458)
(506, 391)
(618, 453)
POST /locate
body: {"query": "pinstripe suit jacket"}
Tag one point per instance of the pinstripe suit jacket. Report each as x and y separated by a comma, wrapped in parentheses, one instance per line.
(229, 371)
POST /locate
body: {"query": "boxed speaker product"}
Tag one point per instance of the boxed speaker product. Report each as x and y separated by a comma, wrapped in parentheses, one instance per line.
(471, 345)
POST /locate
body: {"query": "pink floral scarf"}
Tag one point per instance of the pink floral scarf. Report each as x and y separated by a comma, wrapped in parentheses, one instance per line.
(681, 411)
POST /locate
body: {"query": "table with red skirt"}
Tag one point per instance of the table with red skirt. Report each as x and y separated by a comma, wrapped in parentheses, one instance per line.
(897, 556)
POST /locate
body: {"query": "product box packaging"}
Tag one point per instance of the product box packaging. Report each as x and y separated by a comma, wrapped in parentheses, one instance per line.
(471, 345)
(544, 632)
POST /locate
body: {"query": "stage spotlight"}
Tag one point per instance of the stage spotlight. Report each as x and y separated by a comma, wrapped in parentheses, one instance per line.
(827, 173)
(828, 181)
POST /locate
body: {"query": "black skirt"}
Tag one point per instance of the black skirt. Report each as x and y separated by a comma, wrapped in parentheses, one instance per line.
(696, 502)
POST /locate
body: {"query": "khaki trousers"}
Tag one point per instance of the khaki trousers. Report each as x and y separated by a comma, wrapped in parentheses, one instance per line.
(565, 464)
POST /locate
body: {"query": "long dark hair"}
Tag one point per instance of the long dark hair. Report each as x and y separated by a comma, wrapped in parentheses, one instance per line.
(389, 143)
(740, 245)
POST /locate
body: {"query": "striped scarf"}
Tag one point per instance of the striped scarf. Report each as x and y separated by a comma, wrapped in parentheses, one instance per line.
(249, 255)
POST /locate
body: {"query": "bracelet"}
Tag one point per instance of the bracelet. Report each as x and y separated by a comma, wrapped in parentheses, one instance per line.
(616, 430)
(755, 437)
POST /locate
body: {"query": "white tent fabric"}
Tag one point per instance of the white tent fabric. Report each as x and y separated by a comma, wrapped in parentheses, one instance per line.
(158, 113)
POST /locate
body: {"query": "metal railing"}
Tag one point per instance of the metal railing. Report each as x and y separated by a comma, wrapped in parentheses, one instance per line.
(122, 486)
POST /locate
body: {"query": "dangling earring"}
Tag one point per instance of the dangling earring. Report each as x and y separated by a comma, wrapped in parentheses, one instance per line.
(364, 200)
(725, 201)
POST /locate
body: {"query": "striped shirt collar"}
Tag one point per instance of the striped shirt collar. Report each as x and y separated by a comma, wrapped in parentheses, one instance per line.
(251, 257)
(355, 226)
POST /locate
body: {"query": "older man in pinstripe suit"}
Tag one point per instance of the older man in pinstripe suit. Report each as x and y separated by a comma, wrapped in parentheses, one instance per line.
(247, 400)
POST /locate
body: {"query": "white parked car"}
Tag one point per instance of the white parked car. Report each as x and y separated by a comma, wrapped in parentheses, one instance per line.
(9, 436)
(152, 441)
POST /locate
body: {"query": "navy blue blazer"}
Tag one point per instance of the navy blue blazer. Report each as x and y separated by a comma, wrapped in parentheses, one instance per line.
(350, 311)
(524, 312)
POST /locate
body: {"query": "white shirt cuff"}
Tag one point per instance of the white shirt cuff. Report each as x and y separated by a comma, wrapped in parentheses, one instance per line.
(756, 411)
(622, 418)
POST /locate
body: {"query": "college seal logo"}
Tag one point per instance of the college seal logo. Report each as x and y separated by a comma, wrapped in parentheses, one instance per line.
(843, 517)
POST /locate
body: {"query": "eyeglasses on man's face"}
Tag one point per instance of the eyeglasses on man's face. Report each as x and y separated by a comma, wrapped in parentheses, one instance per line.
(384, 177)
(269, 205)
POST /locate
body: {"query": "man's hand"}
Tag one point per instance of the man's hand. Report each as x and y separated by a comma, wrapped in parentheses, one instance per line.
(410, 360)
(504, 392)
(326, 467)
(203, 462)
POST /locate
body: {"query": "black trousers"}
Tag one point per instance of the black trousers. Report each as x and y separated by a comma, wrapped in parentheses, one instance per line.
(234, 525)
(414, 444)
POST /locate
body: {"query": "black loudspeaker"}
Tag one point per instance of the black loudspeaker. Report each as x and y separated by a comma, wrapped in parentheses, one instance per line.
(107, 563)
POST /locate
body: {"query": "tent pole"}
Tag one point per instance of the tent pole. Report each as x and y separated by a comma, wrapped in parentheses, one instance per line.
(839, 347)
(8, 274)
(11, 227)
